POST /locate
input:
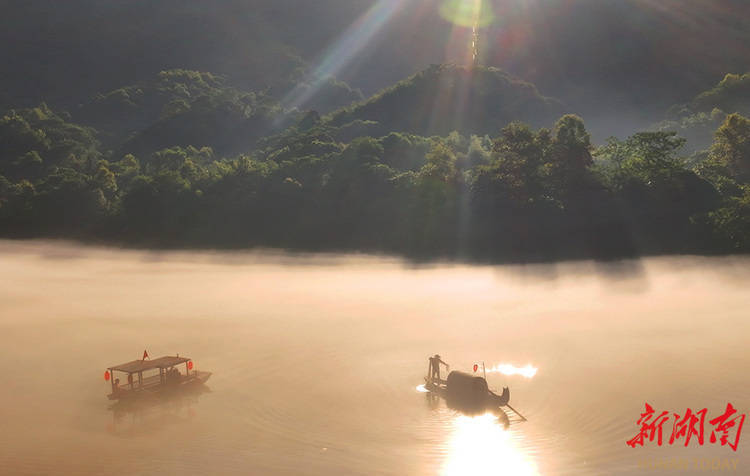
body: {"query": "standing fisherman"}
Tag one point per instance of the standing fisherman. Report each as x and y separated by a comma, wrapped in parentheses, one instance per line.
(434, 370)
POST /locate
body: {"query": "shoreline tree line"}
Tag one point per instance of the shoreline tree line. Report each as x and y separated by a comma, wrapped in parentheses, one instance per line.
(309, 183)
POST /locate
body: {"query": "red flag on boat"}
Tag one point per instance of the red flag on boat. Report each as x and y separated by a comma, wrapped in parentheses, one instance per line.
(476, 367)
(145, 355)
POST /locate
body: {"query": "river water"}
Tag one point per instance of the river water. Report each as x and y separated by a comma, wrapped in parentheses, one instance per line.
(317, 360)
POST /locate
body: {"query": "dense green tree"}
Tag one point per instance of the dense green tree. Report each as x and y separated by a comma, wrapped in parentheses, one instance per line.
(404, 151)
(570, 153)
(730, 224)
(440, 165)
(643, 157)
(732, 147)
(525, 194)
(35, 141)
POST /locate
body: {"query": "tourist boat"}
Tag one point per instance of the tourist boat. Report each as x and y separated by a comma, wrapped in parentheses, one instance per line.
(153, 376)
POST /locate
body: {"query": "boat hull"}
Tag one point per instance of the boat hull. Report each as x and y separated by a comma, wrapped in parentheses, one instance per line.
(189, 381)
(466, 391)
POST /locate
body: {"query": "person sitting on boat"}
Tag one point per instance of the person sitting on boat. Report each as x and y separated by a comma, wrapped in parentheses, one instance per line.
(173, 375)
(435, 362)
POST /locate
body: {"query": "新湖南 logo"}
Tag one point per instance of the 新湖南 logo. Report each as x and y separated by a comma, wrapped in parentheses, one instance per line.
(725, 429)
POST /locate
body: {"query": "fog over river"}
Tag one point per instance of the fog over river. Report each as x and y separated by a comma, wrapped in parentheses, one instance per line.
(316, 360)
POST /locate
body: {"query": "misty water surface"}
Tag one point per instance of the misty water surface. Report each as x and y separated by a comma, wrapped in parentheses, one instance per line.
(316, 360)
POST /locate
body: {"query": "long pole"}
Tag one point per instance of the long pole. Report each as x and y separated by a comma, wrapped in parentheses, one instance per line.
(516, 412)
(484, 371)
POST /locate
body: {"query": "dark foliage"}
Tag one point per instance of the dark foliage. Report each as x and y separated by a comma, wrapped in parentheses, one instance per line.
(525, 194)
(698, 119)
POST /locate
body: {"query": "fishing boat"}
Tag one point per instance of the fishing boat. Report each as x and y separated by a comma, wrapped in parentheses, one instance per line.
(469, 390)
(468, 393)
(153, 376)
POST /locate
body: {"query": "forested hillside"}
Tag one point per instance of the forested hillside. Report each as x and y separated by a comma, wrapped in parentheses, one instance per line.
(66, 52)
(174, 124)
(698, 119)
(449, 98)
(522, 194)
(621, 63)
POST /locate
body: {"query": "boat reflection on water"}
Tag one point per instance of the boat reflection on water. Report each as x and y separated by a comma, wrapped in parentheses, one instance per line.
(146, 416)
(465, 407)
(480, 445)
(479, 440)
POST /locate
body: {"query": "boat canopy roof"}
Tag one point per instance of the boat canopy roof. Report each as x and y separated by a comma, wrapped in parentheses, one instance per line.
(141, 365)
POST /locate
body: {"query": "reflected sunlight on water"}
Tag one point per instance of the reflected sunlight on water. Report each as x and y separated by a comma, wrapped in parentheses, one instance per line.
(316, 361)
(480, 445)
(509, 369)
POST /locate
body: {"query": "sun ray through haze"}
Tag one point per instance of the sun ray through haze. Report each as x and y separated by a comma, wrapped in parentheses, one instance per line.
(344, 50)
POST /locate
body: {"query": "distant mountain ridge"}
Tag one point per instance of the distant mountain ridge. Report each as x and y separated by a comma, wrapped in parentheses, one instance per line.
(629, 59)
(184, 108)
(698, 119)
(446, 98)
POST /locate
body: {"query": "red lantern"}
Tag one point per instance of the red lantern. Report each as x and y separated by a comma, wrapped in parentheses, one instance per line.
(476, 367)
(106, 375)
(190, 365)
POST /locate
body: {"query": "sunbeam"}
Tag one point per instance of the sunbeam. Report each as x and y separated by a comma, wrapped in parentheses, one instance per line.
(341, 53)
